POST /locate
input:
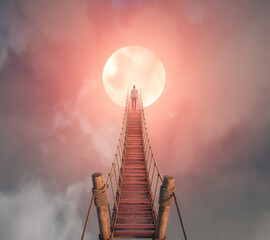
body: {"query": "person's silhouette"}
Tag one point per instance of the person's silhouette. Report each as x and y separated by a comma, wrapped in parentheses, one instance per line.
(134, 96)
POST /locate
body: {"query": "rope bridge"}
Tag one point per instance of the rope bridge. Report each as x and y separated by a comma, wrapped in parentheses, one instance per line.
(129, 210)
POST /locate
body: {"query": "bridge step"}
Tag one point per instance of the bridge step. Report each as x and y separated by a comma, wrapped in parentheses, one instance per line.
(135, 227)
(133, 234)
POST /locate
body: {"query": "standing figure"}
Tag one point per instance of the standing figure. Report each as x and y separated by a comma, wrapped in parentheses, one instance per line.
(134, 96)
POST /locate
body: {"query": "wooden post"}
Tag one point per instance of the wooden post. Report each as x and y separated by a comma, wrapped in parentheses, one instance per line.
(101, 202)
(165, 202)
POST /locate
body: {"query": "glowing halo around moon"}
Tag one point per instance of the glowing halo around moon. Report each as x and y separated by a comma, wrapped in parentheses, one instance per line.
(134, 65)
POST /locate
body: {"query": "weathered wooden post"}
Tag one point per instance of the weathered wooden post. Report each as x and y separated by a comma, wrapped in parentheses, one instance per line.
(165, 202)
(101, 202)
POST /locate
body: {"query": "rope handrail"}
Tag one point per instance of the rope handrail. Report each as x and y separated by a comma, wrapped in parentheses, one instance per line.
(88, 216)
(114, 176)
(152, 170)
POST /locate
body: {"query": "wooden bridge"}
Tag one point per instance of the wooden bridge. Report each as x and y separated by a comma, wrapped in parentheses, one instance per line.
(129, 209)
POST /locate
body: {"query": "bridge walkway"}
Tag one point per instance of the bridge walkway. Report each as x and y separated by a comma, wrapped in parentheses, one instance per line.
(134, 218)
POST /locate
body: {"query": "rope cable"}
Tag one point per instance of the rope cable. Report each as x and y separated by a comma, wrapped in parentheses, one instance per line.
(166, 196)
(101, 196)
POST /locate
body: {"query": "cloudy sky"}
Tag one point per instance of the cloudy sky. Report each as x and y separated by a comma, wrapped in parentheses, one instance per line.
(210, 128)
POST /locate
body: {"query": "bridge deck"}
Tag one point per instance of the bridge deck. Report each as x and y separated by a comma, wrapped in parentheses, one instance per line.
(134, 219)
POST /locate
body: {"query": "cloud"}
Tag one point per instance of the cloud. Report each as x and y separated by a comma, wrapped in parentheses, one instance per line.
(263, 227)
(103, 137)
(36, 212)
(195, 11)
(14, 32)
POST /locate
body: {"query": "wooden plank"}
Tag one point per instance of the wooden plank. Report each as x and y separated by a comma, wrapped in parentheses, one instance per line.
(135, 207)
(135, 227)
(144, 213)
(134, 220)
(134, 234)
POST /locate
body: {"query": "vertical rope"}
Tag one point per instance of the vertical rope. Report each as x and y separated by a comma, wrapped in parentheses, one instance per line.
(87, 217)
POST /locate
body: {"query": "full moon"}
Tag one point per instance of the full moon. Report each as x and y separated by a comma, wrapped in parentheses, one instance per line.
(134, 65)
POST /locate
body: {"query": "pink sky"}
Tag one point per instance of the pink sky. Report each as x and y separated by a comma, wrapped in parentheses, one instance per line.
(209, 128)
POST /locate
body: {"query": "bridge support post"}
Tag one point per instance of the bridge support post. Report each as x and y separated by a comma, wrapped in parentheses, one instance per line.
(101, 202)
(165, 202)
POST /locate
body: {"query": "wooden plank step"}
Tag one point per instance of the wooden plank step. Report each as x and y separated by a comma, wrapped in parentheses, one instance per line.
(134, 146)
(130, 168)
(137, 175)
(134, 159)
(135, 227)
(135, 213)
(146, 234)
(134, 163)
(137, 151)
(137, 154)
(135, 208)
(135, 169)
(130, 161)
(137, 183)
(135, 202)
(134, 178)
(128, 187)
(134, 174)
(134, 220)
(134, 156)
(134, 197)
(134, 192)
(137, 193)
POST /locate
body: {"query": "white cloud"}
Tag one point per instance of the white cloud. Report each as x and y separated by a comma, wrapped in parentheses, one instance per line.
(263, 229)
(36, 213)
(102, 137)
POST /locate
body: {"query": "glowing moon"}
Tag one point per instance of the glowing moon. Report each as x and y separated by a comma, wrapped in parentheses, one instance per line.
(134, 65)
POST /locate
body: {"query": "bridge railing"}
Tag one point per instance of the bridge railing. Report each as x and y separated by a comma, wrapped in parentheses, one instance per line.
(154, 175)
(114, 179)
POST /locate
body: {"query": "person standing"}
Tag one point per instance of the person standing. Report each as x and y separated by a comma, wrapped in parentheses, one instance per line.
(134, 96)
